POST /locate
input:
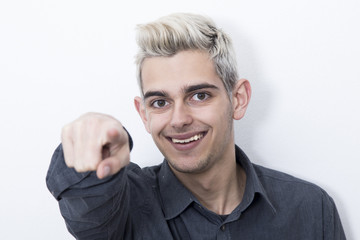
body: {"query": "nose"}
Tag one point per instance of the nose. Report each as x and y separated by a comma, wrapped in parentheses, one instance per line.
(181, 116)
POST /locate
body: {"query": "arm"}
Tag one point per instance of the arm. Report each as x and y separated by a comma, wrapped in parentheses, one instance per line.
(332, 224)
(93, 207)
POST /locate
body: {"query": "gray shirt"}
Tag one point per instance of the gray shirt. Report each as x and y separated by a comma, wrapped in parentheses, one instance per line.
(151, 203)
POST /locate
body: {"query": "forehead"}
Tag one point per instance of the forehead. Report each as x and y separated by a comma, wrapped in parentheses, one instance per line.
(181, 70)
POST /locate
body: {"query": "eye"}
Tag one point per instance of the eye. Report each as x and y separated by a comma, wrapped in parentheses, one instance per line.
(200, 96)
(159, 103)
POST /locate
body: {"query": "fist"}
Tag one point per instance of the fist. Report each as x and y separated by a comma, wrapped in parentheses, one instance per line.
(95, 142)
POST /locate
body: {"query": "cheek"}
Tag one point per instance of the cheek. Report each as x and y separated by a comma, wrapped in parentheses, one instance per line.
(155, 123)
(209, 117)
(215, 114)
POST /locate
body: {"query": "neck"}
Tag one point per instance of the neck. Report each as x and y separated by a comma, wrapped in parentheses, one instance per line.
(220, 188)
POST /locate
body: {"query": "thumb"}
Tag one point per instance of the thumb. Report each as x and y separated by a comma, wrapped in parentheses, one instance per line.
(103, 172)
(113, 164)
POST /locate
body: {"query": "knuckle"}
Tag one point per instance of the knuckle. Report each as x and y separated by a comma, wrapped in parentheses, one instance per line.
(65, 131)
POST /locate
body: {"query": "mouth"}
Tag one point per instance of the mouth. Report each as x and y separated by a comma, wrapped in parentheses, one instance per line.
(187, 140)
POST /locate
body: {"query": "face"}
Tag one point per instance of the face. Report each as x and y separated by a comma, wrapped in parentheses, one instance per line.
(187, 111)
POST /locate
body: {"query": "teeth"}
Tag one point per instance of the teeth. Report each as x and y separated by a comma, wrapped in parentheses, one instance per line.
(193, 138)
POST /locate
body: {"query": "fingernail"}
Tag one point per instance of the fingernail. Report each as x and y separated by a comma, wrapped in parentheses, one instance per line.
(106, 171)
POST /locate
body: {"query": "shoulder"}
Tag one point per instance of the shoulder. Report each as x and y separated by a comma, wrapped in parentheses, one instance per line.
(287, 189)
(306, 202)
(142, 176)
(282, 179)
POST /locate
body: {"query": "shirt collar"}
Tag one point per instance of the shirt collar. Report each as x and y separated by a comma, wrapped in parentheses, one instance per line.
(176, 197)
(253, 184)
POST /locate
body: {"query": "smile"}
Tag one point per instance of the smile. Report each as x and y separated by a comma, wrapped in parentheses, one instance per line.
(188, 140)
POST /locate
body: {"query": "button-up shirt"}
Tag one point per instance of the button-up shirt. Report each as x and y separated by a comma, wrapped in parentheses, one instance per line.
(151, 203)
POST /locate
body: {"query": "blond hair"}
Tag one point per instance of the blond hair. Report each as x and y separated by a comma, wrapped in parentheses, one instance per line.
(183, 31)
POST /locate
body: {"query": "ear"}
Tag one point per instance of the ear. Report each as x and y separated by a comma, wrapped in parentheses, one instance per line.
(140, 108)
(241, 98)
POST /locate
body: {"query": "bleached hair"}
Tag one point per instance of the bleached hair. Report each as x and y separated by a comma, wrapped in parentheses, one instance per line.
(183, 31)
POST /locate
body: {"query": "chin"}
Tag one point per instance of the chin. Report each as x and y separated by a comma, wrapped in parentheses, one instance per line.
(186, 166)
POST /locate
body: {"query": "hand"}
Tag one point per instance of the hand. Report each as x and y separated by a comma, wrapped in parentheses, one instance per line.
(96, 142)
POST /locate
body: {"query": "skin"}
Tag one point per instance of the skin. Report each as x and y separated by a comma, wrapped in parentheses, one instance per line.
(184, 97)
(95, 142)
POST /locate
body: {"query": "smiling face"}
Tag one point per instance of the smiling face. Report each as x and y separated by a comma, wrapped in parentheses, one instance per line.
(187, 111)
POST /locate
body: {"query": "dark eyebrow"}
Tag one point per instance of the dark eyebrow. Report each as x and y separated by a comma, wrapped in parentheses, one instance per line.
(187, 89)
(193, 88)
(154, 94)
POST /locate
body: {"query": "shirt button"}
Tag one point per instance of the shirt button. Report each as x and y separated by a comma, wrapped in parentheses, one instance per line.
(222, 227)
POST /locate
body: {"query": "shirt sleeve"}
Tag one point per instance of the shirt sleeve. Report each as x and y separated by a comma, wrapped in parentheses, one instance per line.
(92, 208)
(333, 229)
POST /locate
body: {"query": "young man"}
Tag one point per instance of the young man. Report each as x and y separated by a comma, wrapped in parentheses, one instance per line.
(206, 188)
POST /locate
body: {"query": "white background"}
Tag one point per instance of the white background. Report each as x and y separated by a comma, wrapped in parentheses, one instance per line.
(59, 59)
